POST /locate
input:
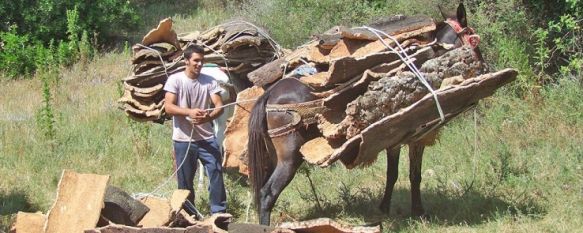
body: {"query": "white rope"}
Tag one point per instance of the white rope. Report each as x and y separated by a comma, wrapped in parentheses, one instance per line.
(271, 41)
(159, 55)
(474, 163)
(248, 206)
(140, 195)
(284, 70)
(408, 61)
(173, 174)
(234, 103)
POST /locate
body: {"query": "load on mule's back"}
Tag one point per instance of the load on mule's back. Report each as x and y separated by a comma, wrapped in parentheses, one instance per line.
(357, 91)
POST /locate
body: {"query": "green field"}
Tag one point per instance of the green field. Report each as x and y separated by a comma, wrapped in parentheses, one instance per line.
(512, 164)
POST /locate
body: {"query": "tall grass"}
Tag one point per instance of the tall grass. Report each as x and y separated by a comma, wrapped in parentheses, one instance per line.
(512, 164)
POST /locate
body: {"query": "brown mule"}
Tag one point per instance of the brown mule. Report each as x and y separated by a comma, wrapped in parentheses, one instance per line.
(273, 162)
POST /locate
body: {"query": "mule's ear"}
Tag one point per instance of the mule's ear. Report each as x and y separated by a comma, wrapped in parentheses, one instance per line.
(443, 14)
(461, 15)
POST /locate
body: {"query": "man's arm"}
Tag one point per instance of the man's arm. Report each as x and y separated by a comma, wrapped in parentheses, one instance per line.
(218, 103)
(172, 109)
(209, 116)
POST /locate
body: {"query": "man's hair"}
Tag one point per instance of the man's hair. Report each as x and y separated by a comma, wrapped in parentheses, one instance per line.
(193, 48)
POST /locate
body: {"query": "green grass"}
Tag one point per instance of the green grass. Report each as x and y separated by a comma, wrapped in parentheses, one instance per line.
(514, 164)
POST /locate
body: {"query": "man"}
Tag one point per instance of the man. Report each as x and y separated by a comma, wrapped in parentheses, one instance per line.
(188, 96)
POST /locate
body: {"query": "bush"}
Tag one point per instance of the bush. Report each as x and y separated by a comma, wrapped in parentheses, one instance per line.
(104, 19)
(19, 54)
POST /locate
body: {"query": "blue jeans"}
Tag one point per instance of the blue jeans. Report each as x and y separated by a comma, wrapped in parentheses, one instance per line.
(210, 156)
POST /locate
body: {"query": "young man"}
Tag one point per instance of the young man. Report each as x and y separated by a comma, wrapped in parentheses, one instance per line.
(188, 96)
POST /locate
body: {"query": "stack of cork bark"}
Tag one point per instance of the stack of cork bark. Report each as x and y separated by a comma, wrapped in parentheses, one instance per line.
(86, 203)
(237, 47)
(364, 75)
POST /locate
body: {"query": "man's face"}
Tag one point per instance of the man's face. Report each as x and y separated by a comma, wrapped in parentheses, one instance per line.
(194, 64)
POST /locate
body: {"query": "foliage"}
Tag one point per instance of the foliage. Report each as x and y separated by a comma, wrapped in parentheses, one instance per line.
(18, 54)
(101, 18)
(549, 45)
(559, 40)
(22, 55)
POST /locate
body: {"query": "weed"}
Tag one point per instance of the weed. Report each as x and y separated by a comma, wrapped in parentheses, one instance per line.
(45, 117)
(140, 138)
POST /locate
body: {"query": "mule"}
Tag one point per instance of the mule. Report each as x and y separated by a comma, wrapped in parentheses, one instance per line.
(273, 162)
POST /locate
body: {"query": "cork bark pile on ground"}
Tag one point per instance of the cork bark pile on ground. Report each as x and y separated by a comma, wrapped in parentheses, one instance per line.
(86, 203)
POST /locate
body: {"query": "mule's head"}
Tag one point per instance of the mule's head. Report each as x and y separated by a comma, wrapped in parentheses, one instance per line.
(454, 31)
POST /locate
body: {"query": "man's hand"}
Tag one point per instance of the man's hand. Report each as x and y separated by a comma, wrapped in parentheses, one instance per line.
(198, 116)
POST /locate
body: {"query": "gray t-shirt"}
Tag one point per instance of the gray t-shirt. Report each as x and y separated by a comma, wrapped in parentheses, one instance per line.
(191, 93)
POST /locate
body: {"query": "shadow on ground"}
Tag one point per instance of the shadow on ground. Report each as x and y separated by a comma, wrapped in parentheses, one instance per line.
(471, 209)
(10, 204)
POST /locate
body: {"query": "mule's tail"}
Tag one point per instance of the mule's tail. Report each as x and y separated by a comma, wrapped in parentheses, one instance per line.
(258, 148)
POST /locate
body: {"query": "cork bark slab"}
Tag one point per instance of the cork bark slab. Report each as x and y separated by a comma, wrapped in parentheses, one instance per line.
(236, 137)
(268, 73)
(317, 150)
(339, 99)
(154, 52)
(128, 229)
(159, 214)
(394, 25)
(238, 47)
(417, 119)
(78, 204)
(381, 45)
(178, 198)
(326, 225)
(28, 223)
(163, 33)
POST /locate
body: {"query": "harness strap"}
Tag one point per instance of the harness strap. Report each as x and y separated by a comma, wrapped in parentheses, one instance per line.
(302, 114)
(287, 128)
(467, 34)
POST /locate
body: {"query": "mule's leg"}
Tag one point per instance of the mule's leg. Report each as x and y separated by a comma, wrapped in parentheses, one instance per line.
(415, 161)
(288, 163)
(392, 174)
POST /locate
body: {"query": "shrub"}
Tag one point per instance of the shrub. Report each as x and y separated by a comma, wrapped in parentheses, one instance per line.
(537, 37)
(45, 117)
(105, 19)
(19, 54)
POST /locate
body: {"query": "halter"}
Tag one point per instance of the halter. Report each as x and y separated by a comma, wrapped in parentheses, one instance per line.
(467, 34)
